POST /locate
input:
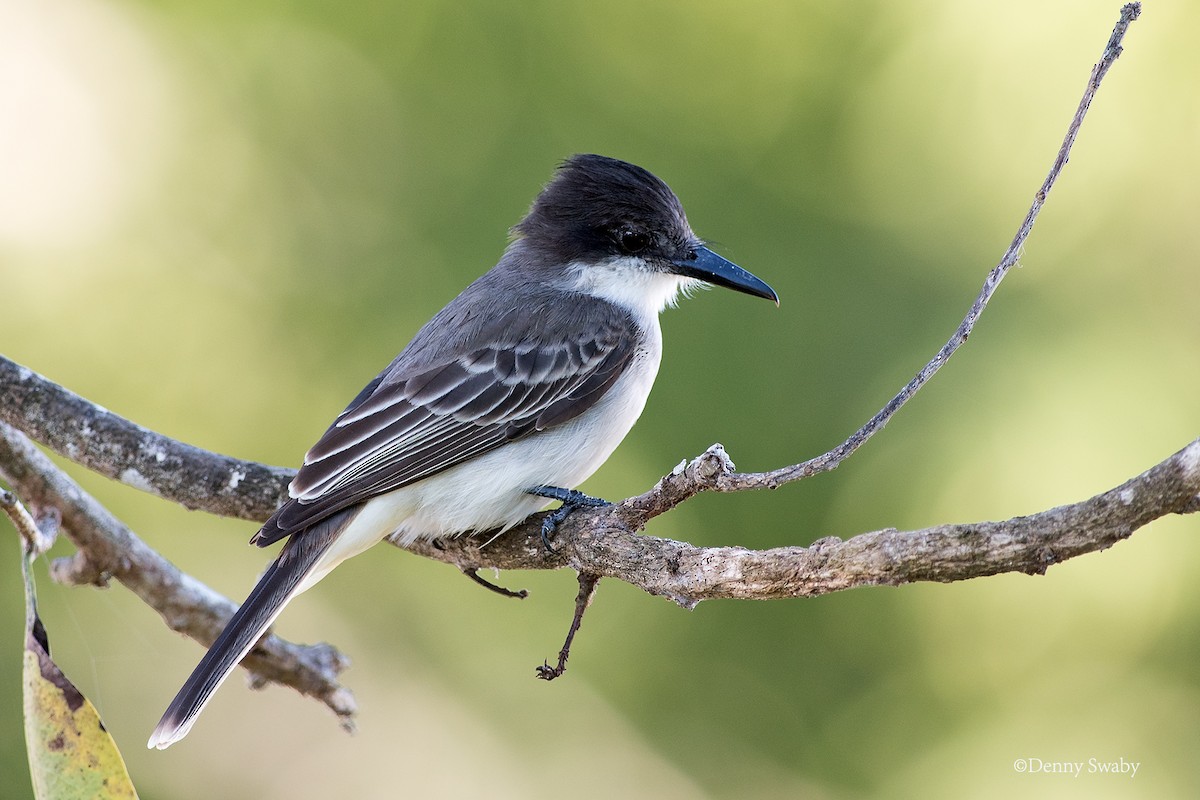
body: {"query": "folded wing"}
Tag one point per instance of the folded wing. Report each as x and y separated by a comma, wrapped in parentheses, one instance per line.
(411, 423)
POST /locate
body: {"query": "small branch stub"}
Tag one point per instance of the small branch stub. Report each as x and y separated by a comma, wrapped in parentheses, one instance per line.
(35, 542)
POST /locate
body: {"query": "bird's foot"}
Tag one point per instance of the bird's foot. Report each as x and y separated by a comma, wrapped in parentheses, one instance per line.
(571, 499)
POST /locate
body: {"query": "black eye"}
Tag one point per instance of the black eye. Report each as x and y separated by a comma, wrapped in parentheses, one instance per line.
(633, 241)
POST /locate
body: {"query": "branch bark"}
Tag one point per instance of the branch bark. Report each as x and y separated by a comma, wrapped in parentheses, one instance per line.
(109, 549)
(94, 437)
(596, 542)
(604, 542)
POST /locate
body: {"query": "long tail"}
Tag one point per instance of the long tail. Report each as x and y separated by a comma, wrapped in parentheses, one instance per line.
(281, 582)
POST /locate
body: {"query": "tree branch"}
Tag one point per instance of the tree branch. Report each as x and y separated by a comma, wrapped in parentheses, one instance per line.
(107, 548)
(104, 442)
(603, 542)
(600, 542)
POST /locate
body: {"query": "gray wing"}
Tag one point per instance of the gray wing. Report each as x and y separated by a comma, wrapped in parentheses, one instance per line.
(407, 425)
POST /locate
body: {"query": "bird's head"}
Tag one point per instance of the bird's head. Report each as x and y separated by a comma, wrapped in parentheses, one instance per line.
(615, 221)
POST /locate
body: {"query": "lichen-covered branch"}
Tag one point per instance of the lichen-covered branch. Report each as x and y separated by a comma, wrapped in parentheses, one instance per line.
(111, 445)
(107, 548)
(601, 542)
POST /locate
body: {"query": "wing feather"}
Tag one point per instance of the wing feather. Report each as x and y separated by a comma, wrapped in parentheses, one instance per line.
(413, 422)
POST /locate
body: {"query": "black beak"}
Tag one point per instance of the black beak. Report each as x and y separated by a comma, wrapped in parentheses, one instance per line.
(709, 267)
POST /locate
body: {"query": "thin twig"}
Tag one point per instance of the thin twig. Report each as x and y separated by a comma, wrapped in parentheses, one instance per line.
(587, 590)
(473, 574)
(832, 459)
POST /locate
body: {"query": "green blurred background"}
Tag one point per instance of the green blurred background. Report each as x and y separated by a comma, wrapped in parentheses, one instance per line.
(220, 219)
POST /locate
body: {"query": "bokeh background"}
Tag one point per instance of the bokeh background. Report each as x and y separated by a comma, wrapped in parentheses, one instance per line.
(220, 219)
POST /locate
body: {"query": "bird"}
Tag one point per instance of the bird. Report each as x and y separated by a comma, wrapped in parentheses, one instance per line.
(515, 392)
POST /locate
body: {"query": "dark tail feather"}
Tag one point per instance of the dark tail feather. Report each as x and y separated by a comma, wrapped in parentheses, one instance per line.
(272, 592)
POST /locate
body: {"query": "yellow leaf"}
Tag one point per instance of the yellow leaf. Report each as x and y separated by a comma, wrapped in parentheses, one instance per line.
(71, 755)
